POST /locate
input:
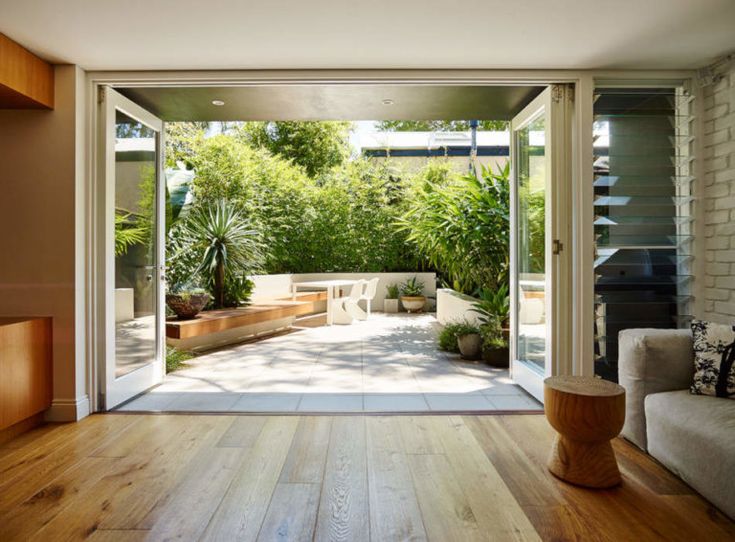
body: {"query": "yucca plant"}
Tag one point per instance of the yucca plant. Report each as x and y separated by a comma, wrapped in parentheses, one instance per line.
(225, 243)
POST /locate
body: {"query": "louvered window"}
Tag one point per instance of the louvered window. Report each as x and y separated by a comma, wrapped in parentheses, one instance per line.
(643, 214)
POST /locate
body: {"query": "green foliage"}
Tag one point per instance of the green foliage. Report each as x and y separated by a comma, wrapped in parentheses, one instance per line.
(493, 304)
(238, 289)
(316, 146)
(461, 225)
(532, 207)
(176, 359)
(492, 335)
(412, 288)
(393, 291)
(343, 221)
(127, 233)
(440, 125)
(182, 140)
(215, 242)
(447, 339)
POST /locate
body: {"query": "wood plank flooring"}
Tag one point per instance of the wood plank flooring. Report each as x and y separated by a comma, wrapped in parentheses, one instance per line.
(129, 477)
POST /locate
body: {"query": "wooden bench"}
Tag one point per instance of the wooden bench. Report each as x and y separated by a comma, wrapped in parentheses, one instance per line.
(225, 326)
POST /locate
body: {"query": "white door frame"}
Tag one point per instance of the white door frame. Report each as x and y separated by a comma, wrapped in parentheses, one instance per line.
(555, 103)
(582, 245)
(117, 390)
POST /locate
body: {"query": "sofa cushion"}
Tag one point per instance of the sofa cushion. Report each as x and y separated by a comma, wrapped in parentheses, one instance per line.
(694, 437)
(714, 352)
(651, 361)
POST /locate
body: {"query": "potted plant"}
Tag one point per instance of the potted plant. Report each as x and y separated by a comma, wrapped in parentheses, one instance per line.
(469, 340)
(390, 303)
(187, 302)
(494, 345)
(412, 295)
(494, 304)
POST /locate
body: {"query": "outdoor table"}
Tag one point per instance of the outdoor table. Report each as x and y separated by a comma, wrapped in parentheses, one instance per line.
(330, 285)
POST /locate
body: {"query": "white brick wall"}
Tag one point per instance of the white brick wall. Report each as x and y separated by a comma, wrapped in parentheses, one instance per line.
(719, 199)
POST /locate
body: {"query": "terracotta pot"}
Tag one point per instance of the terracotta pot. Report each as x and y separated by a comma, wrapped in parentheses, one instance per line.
(413, 303)
(497, 357)
(470, 345)
(187, 306)
(390, 306)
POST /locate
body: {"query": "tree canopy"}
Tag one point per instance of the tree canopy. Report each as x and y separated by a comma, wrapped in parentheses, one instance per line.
(440, 125)
(316, 146)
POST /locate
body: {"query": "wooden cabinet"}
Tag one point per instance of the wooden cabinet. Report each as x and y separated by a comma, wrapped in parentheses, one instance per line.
(25, 368)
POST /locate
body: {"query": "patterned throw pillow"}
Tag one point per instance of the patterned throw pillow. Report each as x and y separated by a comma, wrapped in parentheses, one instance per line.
(714, 354)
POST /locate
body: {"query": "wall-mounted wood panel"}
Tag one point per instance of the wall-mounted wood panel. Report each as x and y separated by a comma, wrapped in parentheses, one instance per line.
(26, 81)
(25, 368)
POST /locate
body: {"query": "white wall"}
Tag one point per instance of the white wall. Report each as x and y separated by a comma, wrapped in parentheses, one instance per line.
(453, 306)
(270, 286)
(719, 198)
(42, 185)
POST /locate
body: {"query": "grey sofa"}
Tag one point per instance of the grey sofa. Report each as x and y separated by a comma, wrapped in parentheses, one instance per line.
(692, 435)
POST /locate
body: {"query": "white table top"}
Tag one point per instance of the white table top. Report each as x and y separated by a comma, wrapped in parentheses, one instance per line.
(324, 283)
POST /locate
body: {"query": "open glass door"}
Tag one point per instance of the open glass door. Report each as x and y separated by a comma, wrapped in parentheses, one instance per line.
(132, 217)
(540, 232)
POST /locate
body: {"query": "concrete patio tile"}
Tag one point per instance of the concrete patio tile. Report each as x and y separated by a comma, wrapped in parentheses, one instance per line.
(395, 402)
(495, 388)
(151, 402)
(331, 402)
(204, 402)
(510, 402)
(457, 401)
(267, 402)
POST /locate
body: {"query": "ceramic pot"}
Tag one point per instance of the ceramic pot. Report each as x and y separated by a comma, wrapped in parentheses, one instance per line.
(413, 303)
(470, 345)
(390, 306)
(187, 306)
(497, 357)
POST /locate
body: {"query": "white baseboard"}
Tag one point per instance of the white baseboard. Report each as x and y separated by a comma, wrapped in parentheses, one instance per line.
(68, 410)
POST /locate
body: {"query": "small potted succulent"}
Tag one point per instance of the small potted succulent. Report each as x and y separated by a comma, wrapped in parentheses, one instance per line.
(390, 303)
(187, 301)
(412, 295)
(469, 340)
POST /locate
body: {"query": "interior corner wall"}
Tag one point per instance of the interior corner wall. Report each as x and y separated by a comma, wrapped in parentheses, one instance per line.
(41, 182)
(719, 198)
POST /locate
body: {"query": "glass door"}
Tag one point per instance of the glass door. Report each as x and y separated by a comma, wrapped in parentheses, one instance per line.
(540, 234)
(132, 200)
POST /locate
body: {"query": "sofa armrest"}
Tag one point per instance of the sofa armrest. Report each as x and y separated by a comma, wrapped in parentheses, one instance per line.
(651, 361)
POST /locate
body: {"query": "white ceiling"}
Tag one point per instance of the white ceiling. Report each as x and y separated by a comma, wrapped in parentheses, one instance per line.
(312, 34)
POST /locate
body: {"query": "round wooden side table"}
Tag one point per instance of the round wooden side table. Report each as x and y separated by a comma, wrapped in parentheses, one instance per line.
(586, 413)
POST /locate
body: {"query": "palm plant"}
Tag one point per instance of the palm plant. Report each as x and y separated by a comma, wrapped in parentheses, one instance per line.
(224, 243)
(127, 233)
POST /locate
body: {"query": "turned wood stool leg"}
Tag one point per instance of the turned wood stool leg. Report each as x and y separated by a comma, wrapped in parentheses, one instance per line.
(588, 464)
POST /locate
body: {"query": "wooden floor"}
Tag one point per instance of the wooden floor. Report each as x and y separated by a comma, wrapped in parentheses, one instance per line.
(351, 478)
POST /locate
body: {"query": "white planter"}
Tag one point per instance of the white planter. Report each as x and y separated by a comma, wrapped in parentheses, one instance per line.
(413, 303)
(390, 306)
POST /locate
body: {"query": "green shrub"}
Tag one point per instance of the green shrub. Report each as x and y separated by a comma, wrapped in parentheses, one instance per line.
(393, 291)
(447, 338)
(412, 288)
(461, 225)
(175, 359)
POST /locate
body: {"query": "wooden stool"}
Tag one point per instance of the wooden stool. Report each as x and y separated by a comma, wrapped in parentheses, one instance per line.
(587, 412)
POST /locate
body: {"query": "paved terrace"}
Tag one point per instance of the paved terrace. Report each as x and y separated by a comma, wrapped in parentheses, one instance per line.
(388, 363)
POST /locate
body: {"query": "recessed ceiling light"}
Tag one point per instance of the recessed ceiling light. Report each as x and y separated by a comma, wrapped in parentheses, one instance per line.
(218, 102)
(388, 101)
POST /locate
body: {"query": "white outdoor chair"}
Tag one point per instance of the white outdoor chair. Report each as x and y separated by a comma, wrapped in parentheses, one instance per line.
(343, 307)
(369, 294)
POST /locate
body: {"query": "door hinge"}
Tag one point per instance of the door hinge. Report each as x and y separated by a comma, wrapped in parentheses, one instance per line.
(101, 93)
(556, 246)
